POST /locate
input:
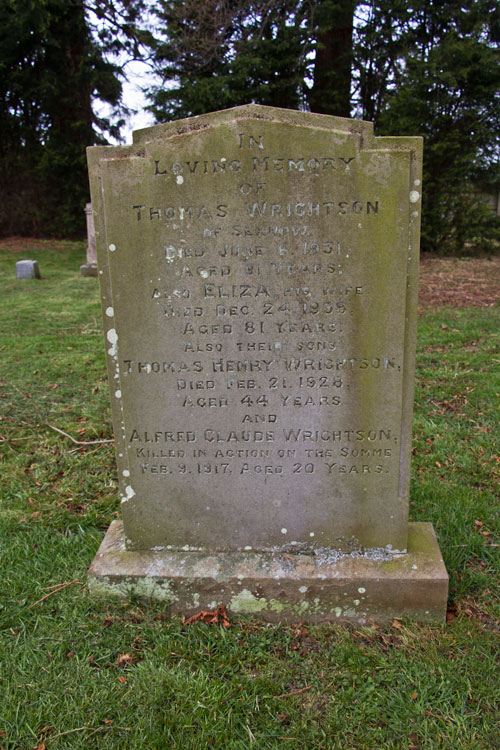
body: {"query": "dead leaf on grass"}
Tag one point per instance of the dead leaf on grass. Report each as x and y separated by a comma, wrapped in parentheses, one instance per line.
(397, 623)
(217, 616)
(299, 629)
(451, 612)
(136, 615)
(390, 641)
(472, 609)
(138, 644)
(283, 717)
(124, 660)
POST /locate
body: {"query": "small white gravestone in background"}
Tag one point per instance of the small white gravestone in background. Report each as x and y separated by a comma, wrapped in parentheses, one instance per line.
(27, 269)
(90, 267)
(259, 295)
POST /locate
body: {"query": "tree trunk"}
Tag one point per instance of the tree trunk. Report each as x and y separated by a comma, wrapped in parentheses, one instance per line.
(331, 91)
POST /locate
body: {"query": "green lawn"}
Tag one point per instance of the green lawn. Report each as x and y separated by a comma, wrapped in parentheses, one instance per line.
(79, 673)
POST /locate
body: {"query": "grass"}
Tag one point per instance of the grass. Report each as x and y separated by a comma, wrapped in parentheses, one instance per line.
(79, 673)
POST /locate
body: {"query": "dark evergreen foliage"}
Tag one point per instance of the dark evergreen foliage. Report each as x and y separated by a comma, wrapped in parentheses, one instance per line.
(51, 67)
(218, 54)
(434, 70)
(431, 68)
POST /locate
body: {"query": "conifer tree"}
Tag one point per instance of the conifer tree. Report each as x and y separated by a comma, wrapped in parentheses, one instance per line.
(434, 70)
(51, 69)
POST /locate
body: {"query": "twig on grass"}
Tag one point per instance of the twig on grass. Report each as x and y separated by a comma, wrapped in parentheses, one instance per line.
(79, 442)
(84, 729)
(76, 450)
(294, 692)
(231, 695)
(110, 726)
(454, 546)
(28, 397)
(55, 590)
(57, 586)
(15, 440)
(13, 385)
(250, 733)
(439, 716)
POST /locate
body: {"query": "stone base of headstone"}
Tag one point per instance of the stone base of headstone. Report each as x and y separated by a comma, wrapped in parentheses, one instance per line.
(317, 585)
(88, 269)
(27, 269)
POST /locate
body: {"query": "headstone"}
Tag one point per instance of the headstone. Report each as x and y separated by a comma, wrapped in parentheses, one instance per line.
(90, 267)
(27, 269)
(259, 293)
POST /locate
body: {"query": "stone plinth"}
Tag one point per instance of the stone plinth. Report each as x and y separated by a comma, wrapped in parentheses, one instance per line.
(88, 270)
(315, 585)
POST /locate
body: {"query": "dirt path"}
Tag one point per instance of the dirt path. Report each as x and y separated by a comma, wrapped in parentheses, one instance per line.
(16, 244)
(472, 282)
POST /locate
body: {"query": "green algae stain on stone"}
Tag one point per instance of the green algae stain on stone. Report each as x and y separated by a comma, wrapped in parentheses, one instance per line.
(276, 606)
(245, 603)
(144, 587)
(196, 600)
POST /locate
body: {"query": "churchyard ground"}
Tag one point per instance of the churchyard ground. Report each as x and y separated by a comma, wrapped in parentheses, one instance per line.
(83, 673)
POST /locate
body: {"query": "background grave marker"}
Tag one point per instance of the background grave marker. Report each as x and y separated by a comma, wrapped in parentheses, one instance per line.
(89, 268)
(27, 269)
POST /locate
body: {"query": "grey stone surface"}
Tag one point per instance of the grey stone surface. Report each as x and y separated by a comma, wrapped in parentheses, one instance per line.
(88, 270)
(27, 269)
(90, 267)
(91, 244)
(258, 275)
(351, 587)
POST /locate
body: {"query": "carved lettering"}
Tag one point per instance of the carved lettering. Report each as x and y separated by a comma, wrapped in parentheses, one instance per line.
(257, 331)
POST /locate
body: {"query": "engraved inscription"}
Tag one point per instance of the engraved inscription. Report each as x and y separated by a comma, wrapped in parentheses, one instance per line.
(260, 318)
(290, 376)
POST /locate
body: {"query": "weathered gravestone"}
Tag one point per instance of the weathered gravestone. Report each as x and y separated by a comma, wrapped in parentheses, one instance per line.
(259, 289)
(27, 269)
(90, 267)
